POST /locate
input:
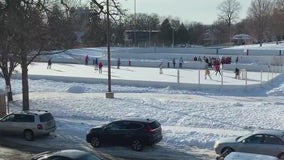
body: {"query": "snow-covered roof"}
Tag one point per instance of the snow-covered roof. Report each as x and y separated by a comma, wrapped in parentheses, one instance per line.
(242, 36)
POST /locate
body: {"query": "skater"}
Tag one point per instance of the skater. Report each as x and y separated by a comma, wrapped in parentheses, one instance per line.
(180, 62)
(174, 62)
(86, 60)
(49, 63)
(118, 63)
(237, 73)
(100, 67)
(96, 61)
(217, 69)
(207, 72)
(161, 67)
(129, 62)
(96, 67)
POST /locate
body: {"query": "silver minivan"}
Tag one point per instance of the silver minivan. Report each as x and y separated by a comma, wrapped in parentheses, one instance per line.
(29, 123)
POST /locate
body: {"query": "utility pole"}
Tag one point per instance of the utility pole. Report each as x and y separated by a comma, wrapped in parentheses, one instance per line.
(135, 24)
(173, 37)
(109, 94)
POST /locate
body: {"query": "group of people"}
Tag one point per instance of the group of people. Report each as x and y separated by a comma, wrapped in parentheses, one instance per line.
(174, 62)
(215, 64)
(98, 65)
(211, 60)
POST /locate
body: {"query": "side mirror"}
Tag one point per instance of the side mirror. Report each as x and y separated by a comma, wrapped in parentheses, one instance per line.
(244, 141)
(106, 128)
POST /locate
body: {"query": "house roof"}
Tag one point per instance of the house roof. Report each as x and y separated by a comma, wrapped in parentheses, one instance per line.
(242, 36)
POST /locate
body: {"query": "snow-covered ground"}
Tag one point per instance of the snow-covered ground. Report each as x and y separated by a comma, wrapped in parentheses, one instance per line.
(192, 119)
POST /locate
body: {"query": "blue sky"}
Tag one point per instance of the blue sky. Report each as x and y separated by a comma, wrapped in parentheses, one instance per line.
(204, 11)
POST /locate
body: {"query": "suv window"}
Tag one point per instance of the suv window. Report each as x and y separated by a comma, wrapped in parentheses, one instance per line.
(258, 138)
(269, 139)
(154, 125)
(24, 118)
(134, 126)
(45, 117)
(9, 118)
(116, 126)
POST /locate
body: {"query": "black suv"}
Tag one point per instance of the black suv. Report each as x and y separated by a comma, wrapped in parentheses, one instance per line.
(134, 132)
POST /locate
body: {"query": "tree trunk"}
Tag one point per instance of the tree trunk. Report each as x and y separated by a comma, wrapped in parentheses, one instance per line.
(25, 82)
(8, 89)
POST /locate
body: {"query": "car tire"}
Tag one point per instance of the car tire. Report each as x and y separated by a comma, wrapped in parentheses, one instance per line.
(95, 141)
(281, 156)
(136, 145)
(28, 135)
(226, 151)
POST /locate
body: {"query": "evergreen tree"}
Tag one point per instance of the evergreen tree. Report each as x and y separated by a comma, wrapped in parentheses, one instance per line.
(165, 35)
(181, 35)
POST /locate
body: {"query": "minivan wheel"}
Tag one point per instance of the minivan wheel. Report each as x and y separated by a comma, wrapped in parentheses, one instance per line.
(281, 156)
(29, 135)
(95, 142)
(137, 145)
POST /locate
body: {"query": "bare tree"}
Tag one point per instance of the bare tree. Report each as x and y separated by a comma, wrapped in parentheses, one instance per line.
(196, 33)
(260, 13)
(229, 13)
(29, 27)
(27, 32)
(278, 20)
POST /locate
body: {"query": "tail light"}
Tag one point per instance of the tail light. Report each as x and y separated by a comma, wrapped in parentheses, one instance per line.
(39, 126)
(149, 129)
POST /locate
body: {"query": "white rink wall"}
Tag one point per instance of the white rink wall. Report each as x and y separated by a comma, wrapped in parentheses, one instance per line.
(257, 60)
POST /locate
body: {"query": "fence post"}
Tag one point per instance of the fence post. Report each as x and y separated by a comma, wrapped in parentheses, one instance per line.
(272, 73)
(199, 79)
(178, 76)
(222, 79)
(246, 79)
(261, 77)
(268, 72)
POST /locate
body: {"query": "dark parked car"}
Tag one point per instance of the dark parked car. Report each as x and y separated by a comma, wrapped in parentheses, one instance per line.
(69, 154)
(134, 132)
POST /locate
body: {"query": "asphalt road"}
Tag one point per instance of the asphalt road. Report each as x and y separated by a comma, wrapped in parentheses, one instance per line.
(16, 148)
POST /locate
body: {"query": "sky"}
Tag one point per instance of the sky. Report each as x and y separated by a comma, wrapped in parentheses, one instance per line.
(192, 120)
(204, 11)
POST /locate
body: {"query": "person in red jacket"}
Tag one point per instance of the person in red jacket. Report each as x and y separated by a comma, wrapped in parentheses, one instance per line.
(217, 69)
(101, 67)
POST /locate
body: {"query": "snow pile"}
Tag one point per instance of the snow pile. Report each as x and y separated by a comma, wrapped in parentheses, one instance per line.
(76, 89)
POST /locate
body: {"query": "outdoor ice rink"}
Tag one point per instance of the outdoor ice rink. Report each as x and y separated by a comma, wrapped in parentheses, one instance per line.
(148, 77)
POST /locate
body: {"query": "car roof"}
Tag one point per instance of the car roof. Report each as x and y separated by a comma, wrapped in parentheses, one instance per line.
(32, 112)
(147, 120)
(71, 153)
(246, 156)
(278, 133)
